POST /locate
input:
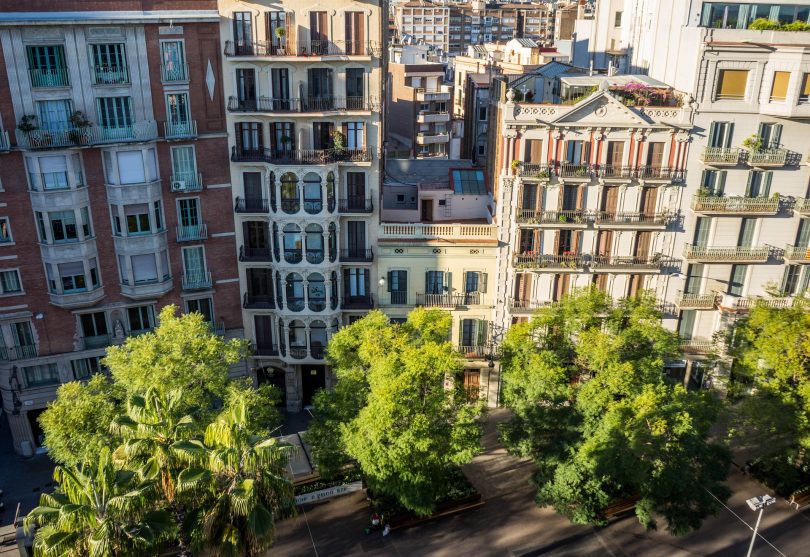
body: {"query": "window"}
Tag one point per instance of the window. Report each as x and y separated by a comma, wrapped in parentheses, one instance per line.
(115, 115)
(780, 86)
(134, 167)
(434, 282)
(617, 19)
(177, 107)
(194, 263)
(354, 33)
(10, 282)
(243, 32)
(804, 96)
(759, 183)
(140, 319)
(203, 306)
(94, 278)
(735, 281)
(249, 137)
(713, 181)
(173, 60)
(746, 237)
(144, 268)
(189, 212)
(85, 367)
(398, 287)
(473, 332)
(731, 84)
(803, 234)
(686, 324)
(184, 165)
(702, 226)
(52, 175)
(87, 224)
(5, 230)
(720, 134)
(47, 66)
(94, 324)
(354, 135)
(71, 276)
(43, 374)
(109, 64)
(482, 114)
(771, 135)
(158, 216)
(54, 116)
(63, 226)
(137, 218)
(791, 279)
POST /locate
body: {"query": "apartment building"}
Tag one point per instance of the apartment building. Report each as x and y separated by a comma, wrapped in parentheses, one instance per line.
(437, 249)
(303, 83)
(113, 172)
(418, 109)
(453, 26)
(476, 118)
(589, 188)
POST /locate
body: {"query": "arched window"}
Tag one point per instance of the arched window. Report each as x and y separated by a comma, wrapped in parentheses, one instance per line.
(314, 243)
(316, 292)
(313, 201)
(290, 203)
(292, 243)
(317, 339)
(297, 339)
(295, 292)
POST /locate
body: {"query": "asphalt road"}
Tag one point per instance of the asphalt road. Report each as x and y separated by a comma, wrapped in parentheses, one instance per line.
(510, 524)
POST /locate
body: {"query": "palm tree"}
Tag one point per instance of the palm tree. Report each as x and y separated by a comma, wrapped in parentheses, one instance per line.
(150, 427)
(98, 510)
(241, 481)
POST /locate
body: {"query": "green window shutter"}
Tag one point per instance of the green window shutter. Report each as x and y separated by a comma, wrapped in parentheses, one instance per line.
(482, 283)
(776, 136)
(720, 182)
(748, 186)
(765, 190)
(448, 282)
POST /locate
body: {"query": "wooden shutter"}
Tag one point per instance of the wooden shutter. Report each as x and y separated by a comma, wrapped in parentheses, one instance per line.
(610, 198)
(604, 242)
(576, 238)
(291, 37)
(580, 197)
(635, 285)
(642, 247)
(649, 196)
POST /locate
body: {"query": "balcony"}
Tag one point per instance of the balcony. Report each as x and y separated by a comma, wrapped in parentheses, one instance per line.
(659, 173)
(301, 49)
(768, 157)
(197, 280)
(536, 171)
(572, 263)
(96, 341)
(293, 256)
(606, 219)
(298, 352)
(704, 254)
(249, 254)
(526, 306)
(432, 117)
(83, 137)
(440, 93)
(180, 130)
(49, 78)
(258, 301)
(430, 138)
(357, 205)
(302, 105)
(424, 231)
(736, 205)
(186, 182)
(300, 156)
(192, 232)
(576, 218)
(5, 145)
(696, 301)
(616, 172)
(174, 73)
(797, 254)
(264, 349)
(582, 171)
(357, 302)
(314, 256)
(721, 155)
(474, 351)
(698, 346)
(255, 205)
(110, 75)
(750, 302)
(802, 205)
(626, 263)
(18, 352)
(356, 255)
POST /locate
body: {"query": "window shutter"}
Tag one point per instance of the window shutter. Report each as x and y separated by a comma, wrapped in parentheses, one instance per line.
(776, 136)
(580, 197)
(748, 188)
(761, 131)
(713, 134)
(766, 184)
(427, 282)
(720, 183)
(729, 134)
(448, 282)
(482, 283)
(464, 280)
(390, 282)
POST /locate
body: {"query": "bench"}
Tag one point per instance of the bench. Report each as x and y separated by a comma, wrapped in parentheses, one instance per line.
(800, 499)
(622, 506)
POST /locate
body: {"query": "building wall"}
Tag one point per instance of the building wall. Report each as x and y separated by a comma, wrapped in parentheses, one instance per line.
(53, 309)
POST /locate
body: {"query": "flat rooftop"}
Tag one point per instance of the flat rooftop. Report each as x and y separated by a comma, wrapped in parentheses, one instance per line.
(425, 173)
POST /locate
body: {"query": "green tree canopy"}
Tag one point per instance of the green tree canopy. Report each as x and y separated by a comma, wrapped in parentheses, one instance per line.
(77, 423)
(593, 409)
(390, 410)
(772, 349)
(181, 353)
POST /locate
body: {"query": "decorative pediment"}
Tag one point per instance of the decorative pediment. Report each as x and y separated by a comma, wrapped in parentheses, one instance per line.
(599, 111)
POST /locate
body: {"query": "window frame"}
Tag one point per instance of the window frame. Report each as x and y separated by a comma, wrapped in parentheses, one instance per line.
(721, 79)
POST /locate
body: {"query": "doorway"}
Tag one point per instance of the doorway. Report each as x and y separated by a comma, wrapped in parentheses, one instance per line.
(36, 429)
(427, 210)
(313, 378)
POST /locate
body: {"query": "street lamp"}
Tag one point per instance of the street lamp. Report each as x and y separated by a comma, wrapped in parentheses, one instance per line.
(758, 503)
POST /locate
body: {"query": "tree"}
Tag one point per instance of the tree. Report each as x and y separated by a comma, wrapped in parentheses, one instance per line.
(181, 353)
(98, 510)
(239, 484)
(596, 413)
(77, 423)
(390, 410)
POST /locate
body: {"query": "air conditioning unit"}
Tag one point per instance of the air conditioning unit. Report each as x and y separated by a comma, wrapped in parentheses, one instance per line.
(178, 185)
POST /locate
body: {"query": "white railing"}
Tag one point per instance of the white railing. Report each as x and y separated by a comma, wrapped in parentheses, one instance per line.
(698, 346)
(705, 204)
(752, 301)
(797, 253)
(802, 205)
(728, 155)
(692, 251)
(430, 231)
(768, 157)
(696, 301)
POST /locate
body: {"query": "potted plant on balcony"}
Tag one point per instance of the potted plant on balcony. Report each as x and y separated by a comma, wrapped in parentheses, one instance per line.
(280, 34)
(78, 133)
(515, 165)
(338, 143)
(28, 124)
(753, 143)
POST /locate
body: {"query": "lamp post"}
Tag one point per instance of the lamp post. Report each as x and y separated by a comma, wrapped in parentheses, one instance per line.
(758, 503)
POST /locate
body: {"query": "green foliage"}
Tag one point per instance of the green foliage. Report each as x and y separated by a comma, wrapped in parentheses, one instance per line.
(592, 408)
(181, 353)
(786, 471)
(764, 24)
(262, 404)
(77, 423)
(99, 510)
(390, 410)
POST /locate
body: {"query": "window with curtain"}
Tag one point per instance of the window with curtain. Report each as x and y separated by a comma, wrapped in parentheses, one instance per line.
(686, 324)
(355, 281)
(72, 277)
(354, 135)
(434, 282)
(803, 234)
(731, 84)
(144, 268)
(473, 332)
(43, 374)
(747, 228)
(54, 116)
(177, 106)
(184, 164)
(779, 87)
(702, 226)
(5, 230)
(10, 282)
(85, 367)
(109, 64)
(174, 61)
(694, 275)
(194, 261)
